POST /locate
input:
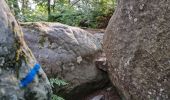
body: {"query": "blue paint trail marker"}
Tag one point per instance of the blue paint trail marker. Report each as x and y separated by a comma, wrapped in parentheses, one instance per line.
(30, 76)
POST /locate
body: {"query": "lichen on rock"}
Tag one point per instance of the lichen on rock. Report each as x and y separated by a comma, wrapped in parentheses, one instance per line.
(16, 60)
(68, 53)
(137, 46)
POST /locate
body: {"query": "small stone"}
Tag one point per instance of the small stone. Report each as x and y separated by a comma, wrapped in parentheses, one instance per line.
(131, 7)
(98, 97)
(135, 20)
(53, 45)
(79, 59)
(2, 91)
(109, 89)
(161, 89)
(149, 92)
(2, 61)
(141, 7)
(5, 49)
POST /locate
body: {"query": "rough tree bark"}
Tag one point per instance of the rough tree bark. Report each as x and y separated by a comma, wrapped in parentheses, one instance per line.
(137, 45)
(49, 9)
(16, 60)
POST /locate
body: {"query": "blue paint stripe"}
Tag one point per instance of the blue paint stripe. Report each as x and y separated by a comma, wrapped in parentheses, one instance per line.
(30, 76)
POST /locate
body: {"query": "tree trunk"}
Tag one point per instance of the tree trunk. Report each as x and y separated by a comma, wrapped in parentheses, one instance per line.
(25, 8)
(16, 61)
(16, 9)
(69, 1)
(137, 45)
(49, 9)
(53, 6)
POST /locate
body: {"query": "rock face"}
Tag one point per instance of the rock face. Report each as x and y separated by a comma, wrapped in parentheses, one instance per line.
(68, 53)
(15, 62)
(137, 45)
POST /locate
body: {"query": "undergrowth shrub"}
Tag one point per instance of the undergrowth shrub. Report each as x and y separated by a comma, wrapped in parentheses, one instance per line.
(57, 82)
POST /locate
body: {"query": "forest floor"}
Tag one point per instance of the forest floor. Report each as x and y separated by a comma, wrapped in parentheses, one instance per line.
(104, 94)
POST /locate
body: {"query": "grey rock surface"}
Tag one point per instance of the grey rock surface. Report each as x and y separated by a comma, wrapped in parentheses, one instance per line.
(16, 60)
(68, 53)
(99, 36)
(137, 45)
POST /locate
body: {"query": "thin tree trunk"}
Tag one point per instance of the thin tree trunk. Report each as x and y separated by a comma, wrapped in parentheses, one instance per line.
(69, 1)
(53, 6)
(75, 3)
(24, 8)
(49, 9)
(16, 9)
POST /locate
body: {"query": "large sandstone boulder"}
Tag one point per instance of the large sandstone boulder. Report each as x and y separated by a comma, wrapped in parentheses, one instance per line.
(68, 53)
(137, 45)
(16, 60)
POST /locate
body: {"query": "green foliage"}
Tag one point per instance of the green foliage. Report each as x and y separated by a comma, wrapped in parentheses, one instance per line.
(58, 82)
(55, 97)
(85, 13)
(65, 14)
